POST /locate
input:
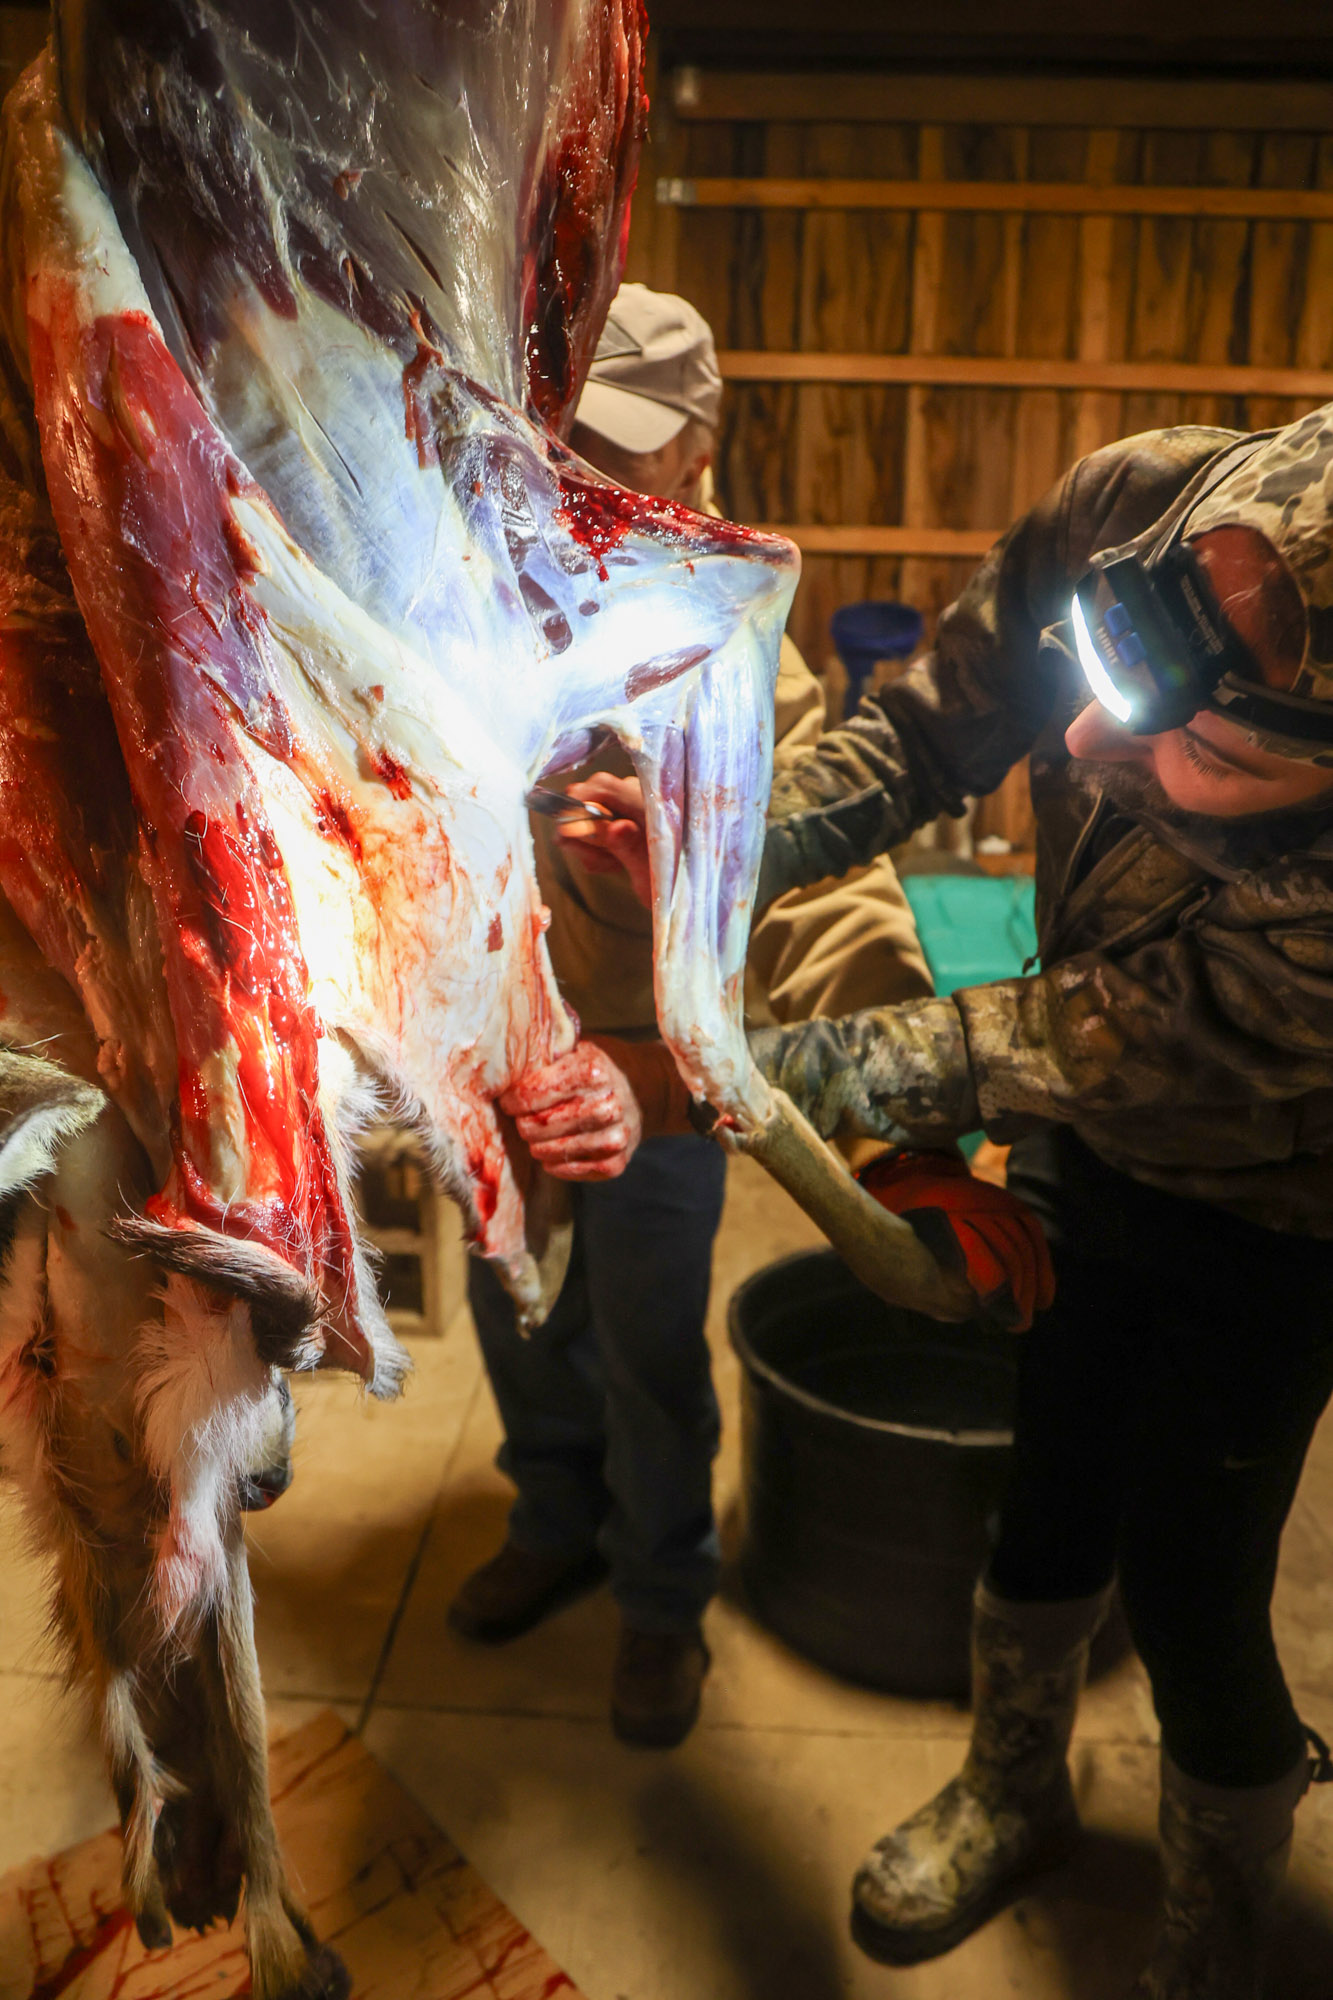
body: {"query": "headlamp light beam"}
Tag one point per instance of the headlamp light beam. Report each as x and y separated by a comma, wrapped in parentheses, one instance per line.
(1105, 689)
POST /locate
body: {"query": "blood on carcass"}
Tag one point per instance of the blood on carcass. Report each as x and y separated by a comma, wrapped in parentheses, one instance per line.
(164, 538)
(391, 773)
(335, 819)
(599, 516)
(418, 416)
(324, 662)
(330, 732)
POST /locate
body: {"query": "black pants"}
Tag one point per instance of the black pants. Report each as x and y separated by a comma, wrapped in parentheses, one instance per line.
(1166, 1403)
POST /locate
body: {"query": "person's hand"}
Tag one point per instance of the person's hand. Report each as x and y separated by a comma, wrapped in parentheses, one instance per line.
(996, 1237)
(578, 1116)
(606, 846)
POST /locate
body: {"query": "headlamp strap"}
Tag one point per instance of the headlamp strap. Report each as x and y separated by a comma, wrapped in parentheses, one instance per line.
(1190, 602)
(1187, 640)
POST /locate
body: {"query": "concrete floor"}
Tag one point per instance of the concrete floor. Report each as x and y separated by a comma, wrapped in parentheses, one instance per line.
(719, 1871)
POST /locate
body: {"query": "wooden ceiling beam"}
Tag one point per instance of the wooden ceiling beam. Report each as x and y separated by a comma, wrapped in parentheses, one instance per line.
(1267, 204)
(966, 371)
(1151, 103)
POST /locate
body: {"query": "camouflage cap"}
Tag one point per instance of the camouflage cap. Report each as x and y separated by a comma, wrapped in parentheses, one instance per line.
(1284, 490)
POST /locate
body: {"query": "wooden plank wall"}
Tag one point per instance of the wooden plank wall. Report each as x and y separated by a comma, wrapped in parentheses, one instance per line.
(806, 280)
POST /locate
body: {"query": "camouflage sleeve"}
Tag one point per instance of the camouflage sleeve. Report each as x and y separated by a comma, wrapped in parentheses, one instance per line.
(1233, 1011)
(899, 1074)
(1225, 1015)
(962, 715)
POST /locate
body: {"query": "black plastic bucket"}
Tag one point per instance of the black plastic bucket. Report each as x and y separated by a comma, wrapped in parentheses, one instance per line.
(875, 1447)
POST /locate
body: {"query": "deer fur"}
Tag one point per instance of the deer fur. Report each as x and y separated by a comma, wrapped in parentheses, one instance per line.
(133, 1409)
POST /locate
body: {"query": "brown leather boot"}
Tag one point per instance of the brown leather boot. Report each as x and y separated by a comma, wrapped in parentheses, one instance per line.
(516, 1589)
(1224, 1855)
(657, 1685)
(1010, 1811)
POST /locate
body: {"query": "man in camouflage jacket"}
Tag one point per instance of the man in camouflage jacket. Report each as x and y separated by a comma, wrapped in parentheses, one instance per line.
(1168, 1077)
(1182, 1022)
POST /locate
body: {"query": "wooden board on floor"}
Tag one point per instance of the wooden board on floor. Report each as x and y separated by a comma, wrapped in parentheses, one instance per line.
(412, 1920)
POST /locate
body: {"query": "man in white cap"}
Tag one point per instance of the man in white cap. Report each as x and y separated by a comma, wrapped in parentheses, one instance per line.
(609, 1413)
(649, 411)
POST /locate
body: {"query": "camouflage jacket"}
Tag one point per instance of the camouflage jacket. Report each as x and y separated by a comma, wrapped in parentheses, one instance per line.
(1182, 1019)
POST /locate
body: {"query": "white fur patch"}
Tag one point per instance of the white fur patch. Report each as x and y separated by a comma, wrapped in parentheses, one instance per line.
(202, 1396)
(41, 1106)
(351, 1099)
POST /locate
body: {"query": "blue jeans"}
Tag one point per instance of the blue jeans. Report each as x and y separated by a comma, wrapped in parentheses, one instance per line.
(611, 1423)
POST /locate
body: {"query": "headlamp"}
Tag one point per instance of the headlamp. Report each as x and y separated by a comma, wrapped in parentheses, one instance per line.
(1156, 647)
(1152, 639)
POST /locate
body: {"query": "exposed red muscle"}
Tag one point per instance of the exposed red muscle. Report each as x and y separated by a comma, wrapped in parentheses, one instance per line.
(140, 485)
(667, 667)
(578, 217)
(68, 837)
(67, 819)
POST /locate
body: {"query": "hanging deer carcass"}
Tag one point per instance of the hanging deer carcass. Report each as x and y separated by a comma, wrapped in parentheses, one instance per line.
(300, 593)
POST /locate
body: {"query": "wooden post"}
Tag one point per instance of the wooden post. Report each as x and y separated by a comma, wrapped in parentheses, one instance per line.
(410, 1223)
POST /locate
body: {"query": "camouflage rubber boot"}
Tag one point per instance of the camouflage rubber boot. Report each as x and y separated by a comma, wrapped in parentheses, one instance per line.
(1224, 1854)
(1010, 1811)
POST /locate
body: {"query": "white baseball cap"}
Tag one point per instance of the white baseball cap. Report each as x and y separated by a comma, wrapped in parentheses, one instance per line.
(655, 368)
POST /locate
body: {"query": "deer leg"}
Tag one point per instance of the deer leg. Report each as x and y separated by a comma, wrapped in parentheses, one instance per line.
(133, 1781)
(180, 1707)
(106, 1511)
(67, 1328)
(286, 1961)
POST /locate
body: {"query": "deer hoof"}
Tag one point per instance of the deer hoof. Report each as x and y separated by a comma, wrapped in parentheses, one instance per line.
(197, 1862)
(287, 1960)
(154, 1928)
(325, 1977)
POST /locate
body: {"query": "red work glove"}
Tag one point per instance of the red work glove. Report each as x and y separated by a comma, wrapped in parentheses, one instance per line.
(1000, 1241)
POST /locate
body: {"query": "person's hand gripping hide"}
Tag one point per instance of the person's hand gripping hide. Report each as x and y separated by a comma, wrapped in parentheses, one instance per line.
(578, 1116)
(969, 1225)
